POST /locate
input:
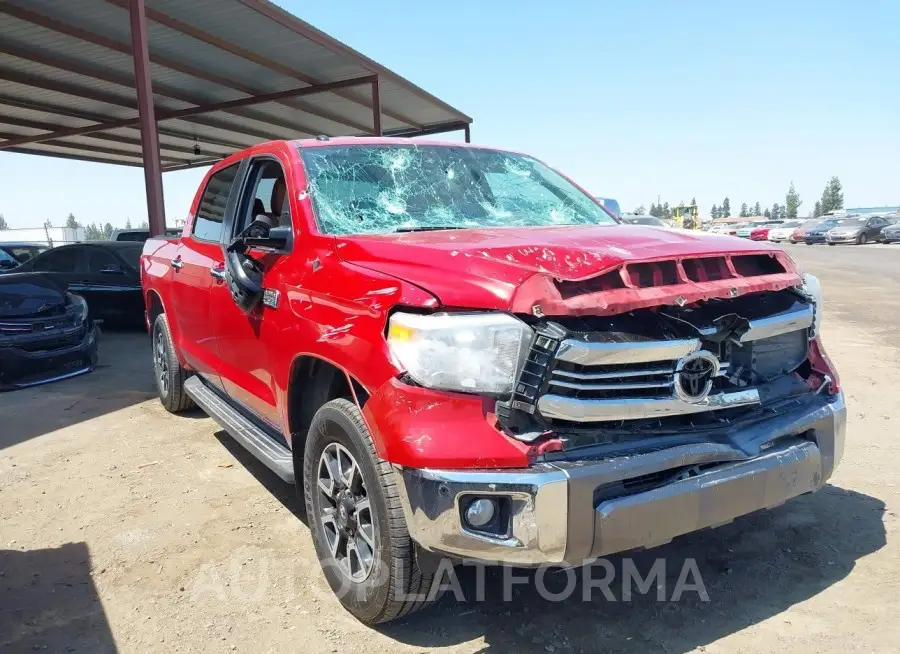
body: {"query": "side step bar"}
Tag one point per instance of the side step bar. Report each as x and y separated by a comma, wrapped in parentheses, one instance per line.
(275, 456)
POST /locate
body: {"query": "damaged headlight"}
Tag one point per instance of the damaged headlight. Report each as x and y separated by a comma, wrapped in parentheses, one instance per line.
(81, 308)
(473, 353)
(813, 290)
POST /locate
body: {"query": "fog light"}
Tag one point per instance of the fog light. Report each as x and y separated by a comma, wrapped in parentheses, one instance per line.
(480, 512)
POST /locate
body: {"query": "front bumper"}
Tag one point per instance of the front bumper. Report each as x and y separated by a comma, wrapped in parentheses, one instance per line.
(842, 238)
(816, 238)
(563, 512)
(48, 357)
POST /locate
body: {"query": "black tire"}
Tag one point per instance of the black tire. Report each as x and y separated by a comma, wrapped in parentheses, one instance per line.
(862, 239)
(395, 586)
(169, 374)
(831, 244)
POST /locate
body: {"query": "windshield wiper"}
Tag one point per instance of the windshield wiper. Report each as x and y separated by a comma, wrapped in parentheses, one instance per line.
(430, 228)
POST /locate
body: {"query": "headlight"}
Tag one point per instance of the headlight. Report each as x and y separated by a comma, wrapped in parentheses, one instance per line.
(475, 353)
(81, 308)
(813, 290)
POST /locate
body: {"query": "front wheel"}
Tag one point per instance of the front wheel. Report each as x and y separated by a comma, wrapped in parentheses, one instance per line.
(862, 239)
(356, 519)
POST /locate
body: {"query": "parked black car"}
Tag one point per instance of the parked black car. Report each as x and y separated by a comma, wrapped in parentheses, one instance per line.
(817, 233)
(46, 333)
(13, 255)
(891, 233)
(859, 230)
(105, 273)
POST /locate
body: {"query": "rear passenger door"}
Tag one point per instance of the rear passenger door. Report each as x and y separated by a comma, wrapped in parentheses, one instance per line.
(194, 269)
(111, 290)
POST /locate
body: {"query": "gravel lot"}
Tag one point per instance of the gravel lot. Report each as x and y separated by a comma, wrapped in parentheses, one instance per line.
(126, 529)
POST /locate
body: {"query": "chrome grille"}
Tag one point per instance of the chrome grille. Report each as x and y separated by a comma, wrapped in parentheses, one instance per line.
(596, 380)
(654, 379)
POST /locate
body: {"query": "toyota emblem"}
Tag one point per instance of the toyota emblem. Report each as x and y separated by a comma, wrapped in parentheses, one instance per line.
(694, 375)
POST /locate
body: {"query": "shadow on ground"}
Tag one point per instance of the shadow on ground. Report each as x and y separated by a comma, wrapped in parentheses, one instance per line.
(752, 569)
(50, 602)
(123, 377)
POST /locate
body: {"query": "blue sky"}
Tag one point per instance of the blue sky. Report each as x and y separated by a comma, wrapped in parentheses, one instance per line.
(631, 99)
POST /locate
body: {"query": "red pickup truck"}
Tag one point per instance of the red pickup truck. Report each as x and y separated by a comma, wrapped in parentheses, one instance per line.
(456, 353)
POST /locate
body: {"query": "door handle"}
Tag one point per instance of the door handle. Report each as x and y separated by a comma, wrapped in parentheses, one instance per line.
(217, 273)
(177, 263)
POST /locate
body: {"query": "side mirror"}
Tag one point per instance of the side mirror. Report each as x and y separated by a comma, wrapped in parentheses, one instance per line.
(112, 269)
(278, 238)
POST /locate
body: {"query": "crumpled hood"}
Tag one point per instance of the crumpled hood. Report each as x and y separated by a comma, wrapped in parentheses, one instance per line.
(29, 294)
(483, 268)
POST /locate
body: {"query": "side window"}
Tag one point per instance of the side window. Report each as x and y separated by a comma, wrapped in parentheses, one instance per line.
(58, 261)
(211, 212)
(98, 259)
(265, 195)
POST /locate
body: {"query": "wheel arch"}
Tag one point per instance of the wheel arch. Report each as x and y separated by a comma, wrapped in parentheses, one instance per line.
(312, 382)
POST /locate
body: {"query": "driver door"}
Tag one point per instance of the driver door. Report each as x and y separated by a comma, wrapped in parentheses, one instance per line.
(244, 339)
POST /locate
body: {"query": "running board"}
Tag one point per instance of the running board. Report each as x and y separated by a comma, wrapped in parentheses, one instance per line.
(275, 456)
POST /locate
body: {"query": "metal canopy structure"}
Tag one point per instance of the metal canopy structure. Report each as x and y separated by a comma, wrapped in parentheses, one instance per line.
(170, 84)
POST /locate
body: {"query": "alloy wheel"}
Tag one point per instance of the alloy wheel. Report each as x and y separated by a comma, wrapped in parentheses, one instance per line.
(345, 512)
(161, 362)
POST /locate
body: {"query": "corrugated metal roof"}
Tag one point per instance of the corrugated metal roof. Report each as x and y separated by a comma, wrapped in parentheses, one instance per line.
(67, 66)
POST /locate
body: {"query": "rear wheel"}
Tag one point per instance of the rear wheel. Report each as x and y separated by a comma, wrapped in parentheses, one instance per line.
(170, 375)
(356, 519)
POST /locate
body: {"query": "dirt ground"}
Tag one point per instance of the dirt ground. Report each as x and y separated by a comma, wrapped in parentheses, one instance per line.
(123, 528)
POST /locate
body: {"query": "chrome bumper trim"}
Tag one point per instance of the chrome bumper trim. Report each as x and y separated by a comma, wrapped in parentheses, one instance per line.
(575, 410)
(555, 518)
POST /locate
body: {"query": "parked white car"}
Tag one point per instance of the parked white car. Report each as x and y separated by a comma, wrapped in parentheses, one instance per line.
(783, 232)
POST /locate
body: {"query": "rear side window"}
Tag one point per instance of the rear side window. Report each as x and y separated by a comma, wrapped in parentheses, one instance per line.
(99, 259)
(211, 212)
(58, 261)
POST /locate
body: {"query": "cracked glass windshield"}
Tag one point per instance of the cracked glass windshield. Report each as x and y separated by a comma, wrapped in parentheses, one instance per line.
(376, 189)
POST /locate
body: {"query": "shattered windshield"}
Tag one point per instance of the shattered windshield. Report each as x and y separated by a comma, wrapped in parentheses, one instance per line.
(375, 189)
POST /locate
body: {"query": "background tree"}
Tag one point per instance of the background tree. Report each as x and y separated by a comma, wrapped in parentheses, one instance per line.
(655, 210)
(92, 232)
(146, 225)
(743, 213)
(666, 212)
(817, 210)
(71, 222)
(714, 212)
(3, 224)
(767, 213)
(832, 196)
(48, 224)
(128, 223)
(777, 212)
(107, 231)
(726, 208)
(757, 210)
(693, 202)
(792, 203)
(640, 211)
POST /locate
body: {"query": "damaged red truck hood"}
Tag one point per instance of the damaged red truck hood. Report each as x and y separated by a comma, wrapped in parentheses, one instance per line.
(598, 270)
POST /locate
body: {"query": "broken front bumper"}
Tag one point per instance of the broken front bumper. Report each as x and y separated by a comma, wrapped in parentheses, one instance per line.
(569, 511)
(44, 357)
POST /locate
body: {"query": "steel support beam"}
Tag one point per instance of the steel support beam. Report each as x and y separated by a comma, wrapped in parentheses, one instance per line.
(468, 134)
(185, 113)
(156, 210)
(376, 106)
